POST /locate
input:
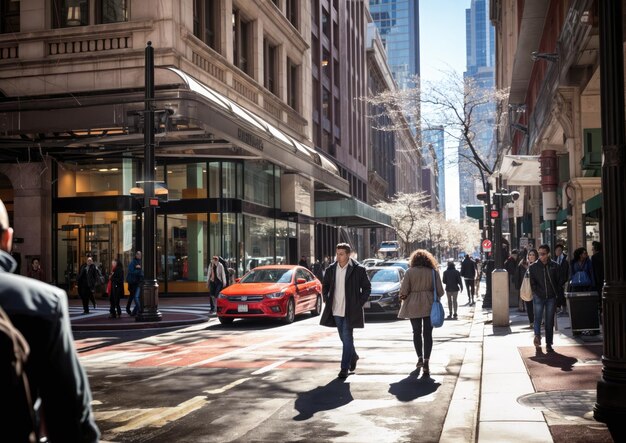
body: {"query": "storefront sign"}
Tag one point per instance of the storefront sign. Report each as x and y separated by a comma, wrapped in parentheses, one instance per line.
(550, 208)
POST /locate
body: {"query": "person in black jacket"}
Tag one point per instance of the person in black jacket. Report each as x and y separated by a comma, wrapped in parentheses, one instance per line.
(561, 259)
(453, 284)
(345, 289)
(55, 375)
(87, 280)
(545, 278)
(468, 272)
(115, 288)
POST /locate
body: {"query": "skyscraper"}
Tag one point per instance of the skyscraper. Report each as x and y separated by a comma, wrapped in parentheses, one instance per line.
(480, 49)
(398, 24)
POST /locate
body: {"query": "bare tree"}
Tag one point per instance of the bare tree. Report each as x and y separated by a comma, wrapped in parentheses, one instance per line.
(465, 109)
(407, 212)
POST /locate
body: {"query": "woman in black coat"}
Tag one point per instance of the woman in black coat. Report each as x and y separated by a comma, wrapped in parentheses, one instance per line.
(115, 288)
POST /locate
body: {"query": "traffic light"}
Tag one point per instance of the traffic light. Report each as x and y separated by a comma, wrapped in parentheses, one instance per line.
(494, 213)
(483, 197)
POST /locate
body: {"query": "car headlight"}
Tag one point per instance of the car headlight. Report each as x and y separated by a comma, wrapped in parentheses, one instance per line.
(275, 294)
(392, 294)
(221, 295)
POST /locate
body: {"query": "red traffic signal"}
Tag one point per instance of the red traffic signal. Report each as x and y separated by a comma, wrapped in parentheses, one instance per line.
(494, 213)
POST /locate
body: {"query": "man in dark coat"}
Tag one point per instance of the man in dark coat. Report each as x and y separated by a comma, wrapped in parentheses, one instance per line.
(468, 272)
(346, 288)
(561, 259)
(55, 376)
(87, 280)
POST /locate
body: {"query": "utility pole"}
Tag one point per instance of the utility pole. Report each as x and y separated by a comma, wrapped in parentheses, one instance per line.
(150, 299)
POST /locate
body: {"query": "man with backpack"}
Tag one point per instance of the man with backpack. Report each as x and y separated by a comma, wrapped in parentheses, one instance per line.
(54, 375)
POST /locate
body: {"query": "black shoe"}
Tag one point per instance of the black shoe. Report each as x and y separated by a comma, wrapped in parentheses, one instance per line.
(94, 305)
(343, 373)
(128, 312)
(353, 363)
(426, 368)
(455, 316)
(549, 348)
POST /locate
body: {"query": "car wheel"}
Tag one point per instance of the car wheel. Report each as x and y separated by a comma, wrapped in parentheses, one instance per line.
(226, 320)
(318, 306)
(291, 312)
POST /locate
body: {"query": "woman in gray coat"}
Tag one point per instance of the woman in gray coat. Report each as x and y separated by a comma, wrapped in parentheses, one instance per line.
(417, 298)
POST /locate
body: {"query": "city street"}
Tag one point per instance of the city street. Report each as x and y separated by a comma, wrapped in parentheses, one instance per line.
(264, 381)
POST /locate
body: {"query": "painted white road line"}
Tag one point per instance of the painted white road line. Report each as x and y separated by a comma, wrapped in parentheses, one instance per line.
(269, 367)
(228, 386)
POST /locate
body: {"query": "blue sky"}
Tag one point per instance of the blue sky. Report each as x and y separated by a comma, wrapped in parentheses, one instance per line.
(442, 47)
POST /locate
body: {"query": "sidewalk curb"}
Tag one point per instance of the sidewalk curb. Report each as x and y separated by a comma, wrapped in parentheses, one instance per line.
(120, 326)
(461, 422)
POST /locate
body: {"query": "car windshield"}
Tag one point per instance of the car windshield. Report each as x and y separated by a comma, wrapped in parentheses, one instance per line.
(268, 276)
(402, 264)
(383, 275)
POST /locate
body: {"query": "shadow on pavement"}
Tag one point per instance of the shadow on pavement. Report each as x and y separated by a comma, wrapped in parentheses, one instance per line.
(554, 359)
(323, 398)
(413, 387)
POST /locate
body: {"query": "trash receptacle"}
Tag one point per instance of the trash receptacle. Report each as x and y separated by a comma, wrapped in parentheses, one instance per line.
(583, 311)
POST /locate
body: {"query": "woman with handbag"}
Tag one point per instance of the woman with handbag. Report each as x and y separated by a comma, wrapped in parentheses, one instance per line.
(581, 272)
(522, 268)
(420, 286)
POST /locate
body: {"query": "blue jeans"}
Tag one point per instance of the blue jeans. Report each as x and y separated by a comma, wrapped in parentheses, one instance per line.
(547, 305)
(345, 334)
(137, 298)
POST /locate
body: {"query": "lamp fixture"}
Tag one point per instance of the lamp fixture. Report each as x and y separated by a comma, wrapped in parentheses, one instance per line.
(73, 14)
(552, 57)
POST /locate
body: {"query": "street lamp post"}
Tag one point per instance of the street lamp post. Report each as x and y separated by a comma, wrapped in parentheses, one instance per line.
(610, 407)
(150, 300)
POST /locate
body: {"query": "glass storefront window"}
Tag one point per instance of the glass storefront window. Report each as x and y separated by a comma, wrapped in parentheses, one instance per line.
(231, 225)
(230, 184)
(259, 235)
(186, 181)
(101, 235)
(282, 241)
(183, 259)
(259, 183)
(97, 178)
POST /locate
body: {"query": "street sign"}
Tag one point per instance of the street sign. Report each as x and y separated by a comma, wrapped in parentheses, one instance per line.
(487, 245)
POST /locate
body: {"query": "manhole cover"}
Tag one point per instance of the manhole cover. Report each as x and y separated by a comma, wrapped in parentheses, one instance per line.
(571, 405)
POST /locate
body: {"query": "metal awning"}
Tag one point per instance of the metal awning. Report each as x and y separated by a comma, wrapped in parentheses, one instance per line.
(521, 170)
(108, 123)
(351, 213)
(593, 204)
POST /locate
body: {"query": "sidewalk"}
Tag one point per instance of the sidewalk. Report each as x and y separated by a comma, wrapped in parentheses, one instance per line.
(528, 395)
(175, 311)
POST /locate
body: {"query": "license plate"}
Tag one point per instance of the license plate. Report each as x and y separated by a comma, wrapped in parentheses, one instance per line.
(242, 308)
(367, 305)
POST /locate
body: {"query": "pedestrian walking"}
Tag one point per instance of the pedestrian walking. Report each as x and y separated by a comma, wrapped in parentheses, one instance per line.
(55, 376)
(115, 288)
(454, 285)
(88, 278)
(561, 259)
(35, 270)
(215, 281)
(479, 276)
(544, 279)
(417, 295)
(134, 278)
(522, 268)
(346, 288)
(468, 272)
(317, 270)
(303, 262)
(581, 271)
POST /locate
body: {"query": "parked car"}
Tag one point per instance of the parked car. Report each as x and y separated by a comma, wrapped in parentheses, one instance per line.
(369, 262)
(404, 264)
(274, 291)
(385, 295)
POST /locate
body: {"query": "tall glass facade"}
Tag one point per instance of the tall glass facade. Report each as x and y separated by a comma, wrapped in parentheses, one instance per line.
(398, 24)
(226, 208)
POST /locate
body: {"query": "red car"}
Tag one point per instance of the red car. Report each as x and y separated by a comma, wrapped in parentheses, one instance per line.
(273, 291)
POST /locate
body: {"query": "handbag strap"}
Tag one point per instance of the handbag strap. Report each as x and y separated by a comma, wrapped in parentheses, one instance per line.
(434, 286)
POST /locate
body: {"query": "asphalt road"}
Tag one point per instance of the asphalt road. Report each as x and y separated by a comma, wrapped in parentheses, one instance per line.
(267, 382)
